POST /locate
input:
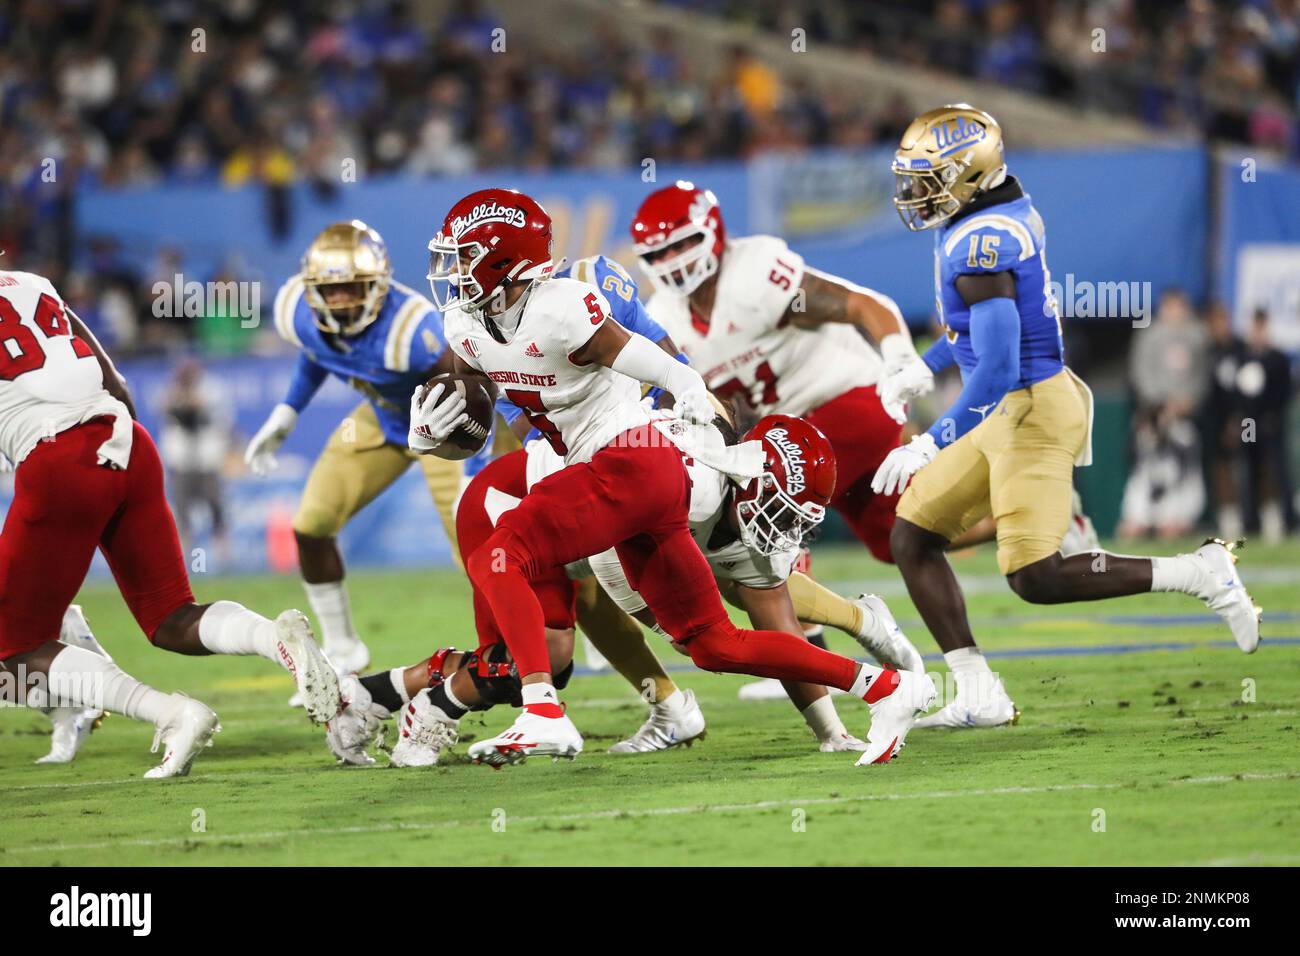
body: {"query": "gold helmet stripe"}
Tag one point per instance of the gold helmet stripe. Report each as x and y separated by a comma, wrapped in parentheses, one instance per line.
(397, 349)
(286, 303)
(995, 221)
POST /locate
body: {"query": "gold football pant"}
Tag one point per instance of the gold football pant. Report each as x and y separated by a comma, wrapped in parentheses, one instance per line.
(620, 639)
(1017, 464)
(356, 466)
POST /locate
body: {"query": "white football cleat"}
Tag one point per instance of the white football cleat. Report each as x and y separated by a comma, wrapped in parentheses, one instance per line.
(424, 732)
(529, 736)
(72, 728)
(665, 728)
(359, 725)
(981, 701)
(350, 658)
(884, 640)
(842, 743)
(892, 716)
(183, 733)
(302, 657)
(1226, 596)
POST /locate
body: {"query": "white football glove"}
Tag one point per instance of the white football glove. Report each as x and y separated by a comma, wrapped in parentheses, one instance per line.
(901, 380)
(695, 407)
(260, 456)
(432, 422)
(902, 463)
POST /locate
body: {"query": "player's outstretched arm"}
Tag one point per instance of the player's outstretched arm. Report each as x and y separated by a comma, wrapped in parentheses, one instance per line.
(825, 298)
(637, 357)
(114, 383)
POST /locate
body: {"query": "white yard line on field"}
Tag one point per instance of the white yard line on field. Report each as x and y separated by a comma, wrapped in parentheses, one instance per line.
(194, 841)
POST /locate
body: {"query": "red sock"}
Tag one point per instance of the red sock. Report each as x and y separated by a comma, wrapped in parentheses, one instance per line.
(496, 569)
(731, 650)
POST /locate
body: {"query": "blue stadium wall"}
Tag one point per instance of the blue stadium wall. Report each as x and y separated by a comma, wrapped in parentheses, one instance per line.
(1141, 215)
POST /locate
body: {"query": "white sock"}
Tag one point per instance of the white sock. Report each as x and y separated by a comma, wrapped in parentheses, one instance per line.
(673, 704)
(329, 602)
(82, 678)
(1179, 573)
(823, 721)
(966, 661)
(540, 694)
(866, 674)
(230, 628)
(397, 676)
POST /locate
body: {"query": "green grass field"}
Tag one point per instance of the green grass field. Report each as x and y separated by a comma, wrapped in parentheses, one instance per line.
(1165, 745)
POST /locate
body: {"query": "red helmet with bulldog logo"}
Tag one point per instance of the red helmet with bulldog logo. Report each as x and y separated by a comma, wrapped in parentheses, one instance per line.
(789, 499)
(490, 239)
(679, 235)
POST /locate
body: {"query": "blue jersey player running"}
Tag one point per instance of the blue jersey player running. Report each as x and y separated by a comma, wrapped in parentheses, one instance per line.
(1009, 443)
(349, 318)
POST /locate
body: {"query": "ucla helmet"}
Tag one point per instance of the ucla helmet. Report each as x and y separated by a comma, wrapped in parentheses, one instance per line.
(946, 158)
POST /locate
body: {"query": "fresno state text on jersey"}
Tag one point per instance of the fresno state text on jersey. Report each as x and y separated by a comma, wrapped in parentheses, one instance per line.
(579, 409)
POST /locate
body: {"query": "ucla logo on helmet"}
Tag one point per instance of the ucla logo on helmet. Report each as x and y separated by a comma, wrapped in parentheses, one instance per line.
(957, 133)
(489, 212)
(792, 459)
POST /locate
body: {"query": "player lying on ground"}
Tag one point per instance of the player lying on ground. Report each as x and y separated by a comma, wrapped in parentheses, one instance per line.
(349, 318)
(88, 476)
(552, 346)
(435, 693)
(751, 537)
(1023, 420)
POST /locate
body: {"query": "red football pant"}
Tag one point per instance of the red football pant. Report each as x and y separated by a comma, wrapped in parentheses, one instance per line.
(65, 505)
(633, 495)
(862, 435)
(555, 591)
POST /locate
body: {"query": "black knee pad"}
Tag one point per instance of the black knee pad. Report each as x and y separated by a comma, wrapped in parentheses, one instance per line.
(495, 677)
(562, 678)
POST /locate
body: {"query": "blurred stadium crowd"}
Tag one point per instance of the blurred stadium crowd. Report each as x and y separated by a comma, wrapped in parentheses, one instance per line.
(112, 94)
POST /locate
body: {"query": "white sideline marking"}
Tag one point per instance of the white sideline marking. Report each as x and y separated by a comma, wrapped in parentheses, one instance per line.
(647, 812)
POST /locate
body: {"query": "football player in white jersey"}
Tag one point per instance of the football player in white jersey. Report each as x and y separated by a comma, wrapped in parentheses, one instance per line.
(554, 351)
(781, 338)
(87, 476)
(752, 549)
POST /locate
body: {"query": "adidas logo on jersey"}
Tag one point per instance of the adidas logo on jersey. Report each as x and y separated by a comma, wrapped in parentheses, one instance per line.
(533, 351)
(469, 348)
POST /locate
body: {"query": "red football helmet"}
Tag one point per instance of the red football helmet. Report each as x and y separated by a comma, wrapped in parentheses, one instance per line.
(776, 509)
(489, 240)
(663, 229)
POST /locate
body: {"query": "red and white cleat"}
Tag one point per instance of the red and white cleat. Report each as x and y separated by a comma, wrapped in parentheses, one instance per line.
(905, 695)
(301, 656)
(529, 736)
(424, 733)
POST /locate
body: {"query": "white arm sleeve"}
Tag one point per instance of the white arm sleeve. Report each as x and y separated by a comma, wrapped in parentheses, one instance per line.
(646, 362)
(608, 571)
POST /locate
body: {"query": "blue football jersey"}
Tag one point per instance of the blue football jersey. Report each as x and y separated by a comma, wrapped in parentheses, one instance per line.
(384, 362)
(1004, 237)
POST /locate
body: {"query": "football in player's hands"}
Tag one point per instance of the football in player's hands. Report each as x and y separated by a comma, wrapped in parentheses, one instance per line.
(466, 437)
